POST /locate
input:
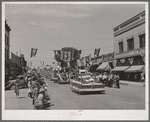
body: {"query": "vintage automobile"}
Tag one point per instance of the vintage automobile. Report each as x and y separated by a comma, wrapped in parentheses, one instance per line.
(11, 83)
(86, 83)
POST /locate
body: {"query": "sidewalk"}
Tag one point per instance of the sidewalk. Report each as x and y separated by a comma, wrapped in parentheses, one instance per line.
(132, 83)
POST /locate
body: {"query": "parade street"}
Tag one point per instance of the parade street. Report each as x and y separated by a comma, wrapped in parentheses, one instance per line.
(62, 98)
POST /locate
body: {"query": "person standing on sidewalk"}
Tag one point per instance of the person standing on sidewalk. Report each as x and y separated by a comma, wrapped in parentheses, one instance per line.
(105, 79)
(110, 80)
(116, 80)
(142, 77)
(17, 88)
(29, 88)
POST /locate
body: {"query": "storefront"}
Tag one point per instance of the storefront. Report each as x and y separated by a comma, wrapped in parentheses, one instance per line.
(107, 64)
(104, 67)
(131, 64)
(95, 63)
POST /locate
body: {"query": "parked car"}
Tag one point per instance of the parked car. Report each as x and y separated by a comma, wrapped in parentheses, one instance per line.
(22, 83)
(86, 83)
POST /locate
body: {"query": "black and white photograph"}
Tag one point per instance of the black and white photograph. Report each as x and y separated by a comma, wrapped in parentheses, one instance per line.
(75, 61)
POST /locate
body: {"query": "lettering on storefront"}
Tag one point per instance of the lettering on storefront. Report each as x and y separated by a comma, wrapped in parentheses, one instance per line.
(137, 52)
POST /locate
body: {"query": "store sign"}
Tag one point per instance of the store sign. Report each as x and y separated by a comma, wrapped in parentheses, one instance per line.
(137, 52)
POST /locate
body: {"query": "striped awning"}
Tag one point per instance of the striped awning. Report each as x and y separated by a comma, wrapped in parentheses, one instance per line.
(136, 68)
(120, 68)
(103, 66)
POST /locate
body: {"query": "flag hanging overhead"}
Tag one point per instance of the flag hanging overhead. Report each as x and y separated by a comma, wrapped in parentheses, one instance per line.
(33, 52)
(41, 63)
(57, 55)
(96, 52)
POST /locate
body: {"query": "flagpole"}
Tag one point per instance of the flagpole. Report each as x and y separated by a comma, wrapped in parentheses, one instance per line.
(20, 51)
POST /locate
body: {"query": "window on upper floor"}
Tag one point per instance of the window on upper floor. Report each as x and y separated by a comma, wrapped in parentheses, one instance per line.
(142, 40)
(7, 40)
(120, 47)
(130, 44)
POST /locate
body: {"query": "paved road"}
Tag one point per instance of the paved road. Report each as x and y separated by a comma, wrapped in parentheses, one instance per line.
(127, 97)
(62, 98)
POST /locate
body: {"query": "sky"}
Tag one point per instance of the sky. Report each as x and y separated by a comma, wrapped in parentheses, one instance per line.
(53, 26)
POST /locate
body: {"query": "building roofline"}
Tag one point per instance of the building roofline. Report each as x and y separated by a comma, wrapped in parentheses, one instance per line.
(128, 20)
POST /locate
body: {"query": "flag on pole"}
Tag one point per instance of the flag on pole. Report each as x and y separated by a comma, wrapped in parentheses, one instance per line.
(33, 52)
(42, 63)
(96, 52)
(57, 54)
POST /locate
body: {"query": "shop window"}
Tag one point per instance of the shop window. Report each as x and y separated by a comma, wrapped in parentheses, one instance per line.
(120, 47)
(130, 44)
(142, 40)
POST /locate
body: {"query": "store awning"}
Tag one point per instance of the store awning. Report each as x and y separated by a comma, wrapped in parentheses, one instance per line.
(120, 68)
(102, 66)
(137, 68)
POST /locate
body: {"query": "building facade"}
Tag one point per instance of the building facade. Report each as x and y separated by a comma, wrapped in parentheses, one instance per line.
(129, 47)
(7, 49)
(23, 63)
(106, 62)
(103, 63)
(15, 68)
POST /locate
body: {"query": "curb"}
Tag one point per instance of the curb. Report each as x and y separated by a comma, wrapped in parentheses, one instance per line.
(140, 85)
(124, 83)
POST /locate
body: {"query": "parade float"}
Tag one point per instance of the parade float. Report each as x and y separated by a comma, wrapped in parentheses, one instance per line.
(66, 61)
(86, 83)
